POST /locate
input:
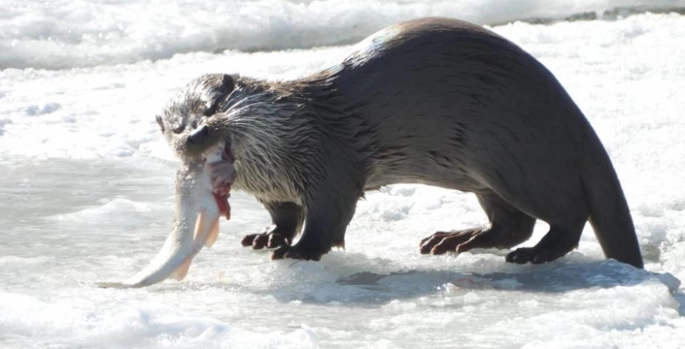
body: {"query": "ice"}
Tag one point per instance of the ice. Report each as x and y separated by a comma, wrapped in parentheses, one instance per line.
(86, 186)
(62, 34)
(34, 110)
(138, 326)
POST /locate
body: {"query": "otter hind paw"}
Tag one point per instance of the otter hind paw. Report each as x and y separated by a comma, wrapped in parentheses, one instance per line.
(534, 255)
(455, 241)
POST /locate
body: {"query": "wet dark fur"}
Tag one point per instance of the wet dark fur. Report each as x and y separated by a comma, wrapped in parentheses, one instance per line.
(433, 101)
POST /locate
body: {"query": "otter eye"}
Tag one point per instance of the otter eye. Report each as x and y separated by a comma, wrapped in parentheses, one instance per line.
(178, 129)
(181, 126)
(160, 122)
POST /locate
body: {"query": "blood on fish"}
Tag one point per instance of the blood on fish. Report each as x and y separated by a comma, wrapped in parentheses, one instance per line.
(222, 199)
(224, 207)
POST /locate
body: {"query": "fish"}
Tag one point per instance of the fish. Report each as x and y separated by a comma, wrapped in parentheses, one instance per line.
(202, 191)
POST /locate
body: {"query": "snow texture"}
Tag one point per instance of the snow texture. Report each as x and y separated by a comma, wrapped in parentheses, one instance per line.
(87, 186)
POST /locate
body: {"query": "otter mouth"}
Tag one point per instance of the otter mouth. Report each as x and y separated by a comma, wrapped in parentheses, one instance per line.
(202, 192)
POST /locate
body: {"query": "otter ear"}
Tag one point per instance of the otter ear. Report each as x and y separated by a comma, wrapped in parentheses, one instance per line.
(216, 87)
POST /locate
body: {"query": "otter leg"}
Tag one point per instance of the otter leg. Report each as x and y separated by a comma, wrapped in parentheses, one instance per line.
(555, 244)
(287, 219)
(508, 227)
(562, 204)
(326, 221)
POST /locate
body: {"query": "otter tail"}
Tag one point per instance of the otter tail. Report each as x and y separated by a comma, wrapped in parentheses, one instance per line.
(609, 213)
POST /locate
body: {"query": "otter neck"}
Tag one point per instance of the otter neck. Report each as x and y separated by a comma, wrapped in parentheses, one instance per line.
(270, 139)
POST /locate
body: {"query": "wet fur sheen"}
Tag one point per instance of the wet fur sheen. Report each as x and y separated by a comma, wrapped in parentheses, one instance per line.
(433, 101)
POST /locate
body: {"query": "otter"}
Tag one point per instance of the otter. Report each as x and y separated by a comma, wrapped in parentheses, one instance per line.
(434, 101)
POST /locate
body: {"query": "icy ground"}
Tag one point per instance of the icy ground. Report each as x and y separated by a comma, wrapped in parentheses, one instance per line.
(86, 188)
(59, 34)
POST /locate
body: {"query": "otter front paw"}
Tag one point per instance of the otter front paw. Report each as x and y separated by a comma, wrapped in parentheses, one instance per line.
(296, 252)
(270, 238)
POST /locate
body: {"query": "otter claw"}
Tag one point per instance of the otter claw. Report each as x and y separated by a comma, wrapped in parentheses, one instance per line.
(268, 240)
(279, 253)
(277, 240)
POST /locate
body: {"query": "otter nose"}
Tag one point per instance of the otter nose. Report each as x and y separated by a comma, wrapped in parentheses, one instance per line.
(199, 135)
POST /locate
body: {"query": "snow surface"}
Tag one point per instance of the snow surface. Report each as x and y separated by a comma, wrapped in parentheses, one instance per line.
(86, 188)
(83, 33)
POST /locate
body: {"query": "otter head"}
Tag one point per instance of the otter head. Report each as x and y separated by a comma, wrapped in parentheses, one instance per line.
(184, 120)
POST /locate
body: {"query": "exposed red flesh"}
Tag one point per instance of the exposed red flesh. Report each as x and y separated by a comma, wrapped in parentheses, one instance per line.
(222, 200)
(224, 207)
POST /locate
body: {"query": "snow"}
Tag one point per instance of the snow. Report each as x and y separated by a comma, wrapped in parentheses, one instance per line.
(87, 185)
(84, 33)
